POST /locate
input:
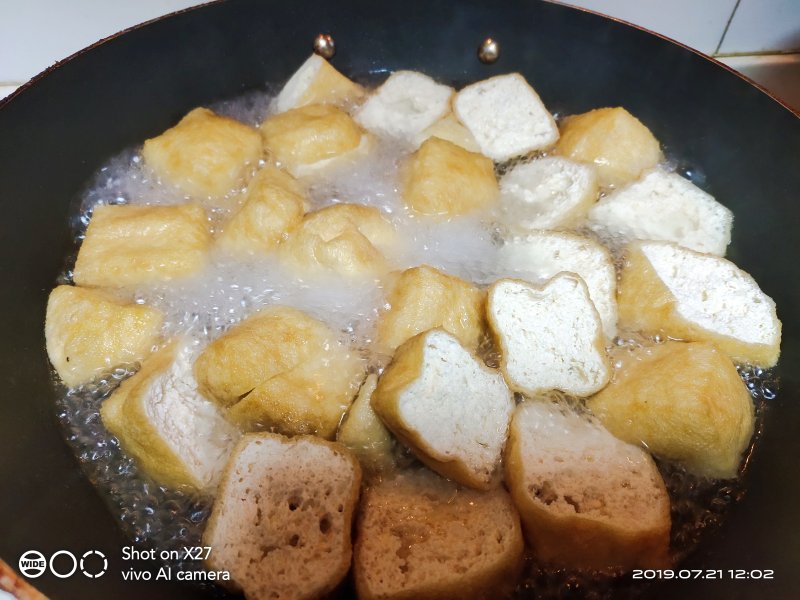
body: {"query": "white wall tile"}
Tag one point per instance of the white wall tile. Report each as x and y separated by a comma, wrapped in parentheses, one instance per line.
(763, 26)
(696, 23)
(779, 73)
(36, 33)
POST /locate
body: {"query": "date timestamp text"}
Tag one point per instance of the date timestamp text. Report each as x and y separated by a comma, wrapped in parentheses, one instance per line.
(750, 574)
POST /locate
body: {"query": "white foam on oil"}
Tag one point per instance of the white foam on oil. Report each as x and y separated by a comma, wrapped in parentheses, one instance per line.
(229, 290)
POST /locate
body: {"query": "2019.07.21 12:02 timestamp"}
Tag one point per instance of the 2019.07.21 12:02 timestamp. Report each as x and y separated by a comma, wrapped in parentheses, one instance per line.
(748, 574)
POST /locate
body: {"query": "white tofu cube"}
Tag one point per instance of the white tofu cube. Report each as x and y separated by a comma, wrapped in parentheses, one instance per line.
(506, 117)
(405, 105)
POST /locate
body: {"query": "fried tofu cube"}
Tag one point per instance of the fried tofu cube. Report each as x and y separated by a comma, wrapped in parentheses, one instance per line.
(547, 193)
(443, 179)
(266, 344)
(273, 206)
(306, 139)
(421, 536)
(364, 433)
(664, 206)
(318, 82)
(282, 369)
(179, 437)
(669, 290)
(423, 298)
(615, 141)
(349, 239)
(128, 245)
(506, 117)
(550, 336)
(684, 402)
(89, 332)
(406, 104)
(447, 406)
(448, 128)
(312, 398)
(587, 500)
(205, 155)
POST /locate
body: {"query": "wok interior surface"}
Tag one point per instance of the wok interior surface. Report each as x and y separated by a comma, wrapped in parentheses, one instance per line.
(741, 146)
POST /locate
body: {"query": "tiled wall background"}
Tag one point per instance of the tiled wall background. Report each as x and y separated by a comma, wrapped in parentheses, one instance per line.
(760, 38)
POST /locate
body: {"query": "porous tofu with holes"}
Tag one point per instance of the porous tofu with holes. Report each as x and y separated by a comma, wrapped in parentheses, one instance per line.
(89, 332)
(448, 407)
(283, 515)
(450, 129)
(273, 206)
(673, 291)
(423, 537)
(506, 117)
(127, 245)
(550, 337)
(405, 105)
(281, 369)
(423, 298)
(311, 138)
(364, 433)
(547, 193)
(586, 499)
(616, 142)
(664, 206)
(443, 179)
(538, 256)
(318, 82)
(346, 239)
(205, 155)
(682, 401)
(177, 436)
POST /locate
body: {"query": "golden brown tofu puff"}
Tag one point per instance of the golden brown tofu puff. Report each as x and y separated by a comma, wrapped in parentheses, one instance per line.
(423, 298)
(346, 239)
(682, 401)
(204, 155)
(89, 332)
(281, 368)
(128, 245)
(615, 141)
(442, 179)
(304, 139)
(273, 207)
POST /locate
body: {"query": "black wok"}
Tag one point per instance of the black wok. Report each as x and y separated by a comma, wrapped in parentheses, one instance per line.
(743, 146)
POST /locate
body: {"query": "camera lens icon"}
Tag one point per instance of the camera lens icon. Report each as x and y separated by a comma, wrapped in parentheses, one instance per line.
(32, 564)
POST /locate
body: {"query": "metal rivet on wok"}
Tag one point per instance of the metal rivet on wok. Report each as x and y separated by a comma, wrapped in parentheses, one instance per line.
(324, 45)
(489, 51)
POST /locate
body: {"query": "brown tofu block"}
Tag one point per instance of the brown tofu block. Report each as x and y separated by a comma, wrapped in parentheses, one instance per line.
(129, 245)
(89, 332)
(615, 141)
(684, 402)
(204, 155)
(283, 369)
(273, 207)
(423, 298)
(444, 179)
(348, 239)
(310, 136)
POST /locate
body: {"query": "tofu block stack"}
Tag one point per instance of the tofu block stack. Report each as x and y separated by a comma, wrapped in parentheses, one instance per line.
(482, 417)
